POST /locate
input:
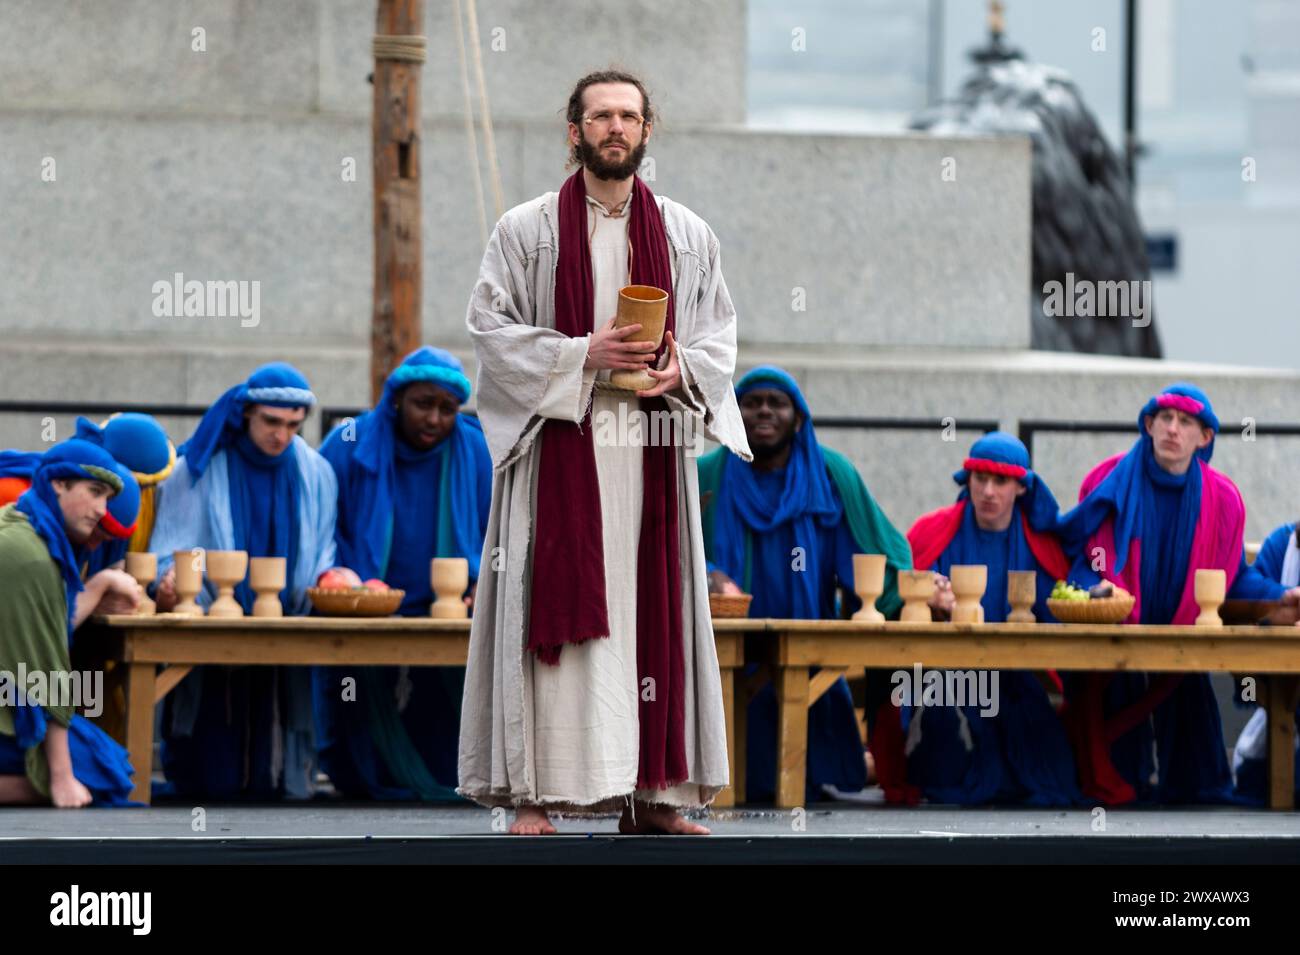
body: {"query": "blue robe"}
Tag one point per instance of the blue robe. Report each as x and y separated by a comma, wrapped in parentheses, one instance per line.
(1020, 755)
(835, 751)
(219, 723)
(399, 739)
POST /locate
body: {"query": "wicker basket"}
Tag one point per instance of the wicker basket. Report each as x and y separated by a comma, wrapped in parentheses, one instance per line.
(331, 602)
(730, 605)
(1106, 610)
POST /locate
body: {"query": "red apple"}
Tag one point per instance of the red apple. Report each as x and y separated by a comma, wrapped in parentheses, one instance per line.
(338, 578)
(377, 585)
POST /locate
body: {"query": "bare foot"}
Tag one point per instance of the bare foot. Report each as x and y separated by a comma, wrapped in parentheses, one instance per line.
(531, 821)
(658, 820)
(67, 792)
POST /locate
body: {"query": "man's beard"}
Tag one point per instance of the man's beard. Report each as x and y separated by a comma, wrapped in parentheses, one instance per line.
(767, 451)
(601, 168)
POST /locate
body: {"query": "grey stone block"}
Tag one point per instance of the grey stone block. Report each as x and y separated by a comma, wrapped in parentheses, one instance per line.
(692, 56)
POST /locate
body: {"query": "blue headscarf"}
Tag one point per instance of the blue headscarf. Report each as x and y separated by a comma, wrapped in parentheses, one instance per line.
(69, 460)
(19, 464)
(376, 432)
(1007, 455)
(277, 384)
(1128, 492)
(806, 500)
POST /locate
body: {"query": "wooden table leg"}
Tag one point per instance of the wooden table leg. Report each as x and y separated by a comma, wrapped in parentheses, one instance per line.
(1280, 701)
(727, 798)
(792, 735)
(740, 717)
(140, 679)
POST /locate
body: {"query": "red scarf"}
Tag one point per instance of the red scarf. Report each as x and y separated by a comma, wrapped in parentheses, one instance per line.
(568, 592)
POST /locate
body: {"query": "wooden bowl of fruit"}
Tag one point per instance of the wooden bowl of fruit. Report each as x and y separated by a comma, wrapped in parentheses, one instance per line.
(1104, 603)
(339, 592)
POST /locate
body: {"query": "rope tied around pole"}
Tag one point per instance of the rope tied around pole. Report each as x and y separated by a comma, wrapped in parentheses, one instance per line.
(404, 48)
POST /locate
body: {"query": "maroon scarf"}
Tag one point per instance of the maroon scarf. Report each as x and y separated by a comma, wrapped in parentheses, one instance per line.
(568, 592)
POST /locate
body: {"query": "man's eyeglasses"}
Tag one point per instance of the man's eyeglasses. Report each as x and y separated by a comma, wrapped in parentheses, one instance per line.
(604, 117)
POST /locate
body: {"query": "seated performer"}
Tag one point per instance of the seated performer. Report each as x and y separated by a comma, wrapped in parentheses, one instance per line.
(785, 528)
(1278, 559)
(246, 481)
(415, 483)
(1005, 519)
(1147, 520)
(48, 753)
(102, 592)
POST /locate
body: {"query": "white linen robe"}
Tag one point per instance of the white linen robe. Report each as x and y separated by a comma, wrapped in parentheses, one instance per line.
(567, 736)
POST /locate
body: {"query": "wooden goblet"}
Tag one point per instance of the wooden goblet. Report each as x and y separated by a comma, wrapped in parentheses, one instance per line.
(647, 306)
(266, 575)
(190, 565)
(450, 579)
(226, 568)
(869, 584)
(144, 568)
(1022, 592)
(969, 582)
(1211, 588)
(916, 587)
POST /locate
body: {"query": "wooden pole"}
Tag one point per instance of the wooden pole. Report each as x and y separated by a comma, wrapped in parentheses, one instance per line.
(395, 327)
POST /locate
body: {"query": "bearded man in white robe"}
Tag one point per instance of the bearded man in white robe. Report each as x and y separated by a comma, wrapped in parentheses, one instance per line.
(593, 677)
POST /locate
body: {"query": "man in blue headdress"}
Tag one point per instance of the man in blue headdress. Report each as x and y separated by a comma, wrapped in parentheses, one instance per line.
(1004, 519)
(415, 483)
(785, 529)
(47, 751)
(104, 550)
(1147, 520)
(246, 481)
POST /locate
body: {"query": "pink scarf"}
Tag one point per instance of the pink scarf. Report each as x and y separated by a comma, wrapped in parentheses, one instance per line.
(1216, 544)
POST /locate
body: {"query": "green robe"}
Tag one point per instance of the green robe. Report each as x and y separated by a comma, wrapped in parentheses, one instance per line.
(871, 529)
(33, 623)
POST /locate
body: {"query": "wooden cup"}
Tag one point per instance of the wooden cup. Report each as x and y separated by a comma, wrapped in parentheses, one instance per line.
(1022, 592)
(969, 582)
(144, 568)
(190, 565)
(869, 584)
(226, 568)
(450, 579)
(647, 306)
(916, 587)
(266, 575)
(1211, 589)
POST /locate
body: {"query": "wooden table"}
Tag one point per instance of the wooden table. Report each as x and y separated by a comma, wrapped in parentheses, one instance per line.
(1270, 653)
(141, 644)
